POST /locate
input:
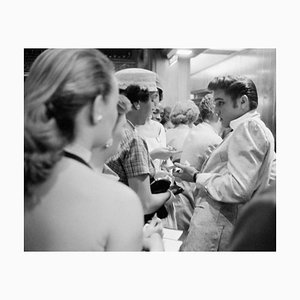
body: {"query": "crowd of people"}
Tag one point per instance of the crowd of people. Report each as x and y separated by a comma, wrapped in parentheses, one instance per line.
(107, 166)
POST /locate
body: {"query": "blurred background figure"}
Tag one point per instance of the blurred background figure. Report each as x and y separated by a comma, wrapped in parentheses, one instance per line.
(202, 136)
(156, 99)
(183, 115)
(157, 113)
(255, 229)
(165, 118)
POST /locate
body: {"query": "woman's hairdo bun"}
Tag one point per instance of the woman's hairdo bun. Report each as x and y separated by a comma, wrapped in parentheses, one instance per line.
(60, 83)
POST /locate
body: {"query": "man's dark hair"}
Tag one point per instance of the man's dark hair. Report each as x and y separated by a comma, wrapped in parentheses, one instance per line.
(235, 87)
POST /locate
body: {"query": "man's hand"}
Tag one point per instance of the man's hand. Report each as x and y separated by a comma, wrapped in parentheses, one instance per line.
(185, 173)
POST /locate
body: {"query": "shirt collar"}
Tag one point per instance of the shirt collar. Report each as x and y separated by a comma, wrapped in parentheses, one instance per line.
(80, 151)
(131, 126)
(249, 115)
(108, 171)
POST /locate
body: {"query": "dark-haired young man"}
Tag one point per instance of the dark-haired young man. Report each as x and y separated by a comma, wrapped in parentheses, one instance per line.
(239, 168)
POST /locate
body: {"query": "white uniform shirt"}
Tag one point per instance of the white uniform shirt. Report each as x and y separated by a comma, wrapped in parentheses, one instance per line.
(197, 142)
(155, 136)
(176, 137)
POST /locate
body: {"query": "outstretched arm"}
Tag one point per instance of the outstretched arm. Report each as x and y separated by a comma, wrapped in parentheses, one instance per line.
(247, 149)
(150, 202)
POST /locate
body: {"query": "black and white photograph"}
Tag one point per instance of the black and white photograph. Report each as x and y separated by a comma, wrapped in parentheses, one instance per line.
(149, 150)
(186, 136)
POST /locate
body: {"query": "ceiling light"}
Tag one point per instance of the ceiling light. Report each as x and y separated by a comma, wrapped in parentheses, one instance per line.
(184, 52)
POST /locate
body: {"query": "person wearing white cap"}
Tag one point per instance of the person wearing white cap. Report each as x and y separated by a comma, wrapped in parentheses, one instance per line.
(133, 163)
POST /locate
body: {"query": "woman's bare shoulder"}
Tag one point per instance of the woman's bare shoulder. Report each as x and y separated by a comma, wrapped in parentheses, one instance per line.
(114, 191)
(122, 206)
(74, 176)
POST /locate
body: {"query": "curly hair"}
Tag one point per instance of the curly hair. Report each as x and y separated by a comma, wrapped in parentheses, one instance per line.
(206, 107)
(60, 83)
(184, 112)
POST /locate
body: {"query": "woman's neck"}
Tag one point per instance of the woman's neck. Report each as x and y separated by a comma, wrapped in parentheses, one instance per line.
(181, 125)
(81, 149)
(132, 119)
(97, 160)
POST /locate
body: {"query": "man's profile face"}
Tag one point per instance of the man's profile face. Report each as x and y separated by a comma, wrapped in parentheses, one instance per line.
(225, 108)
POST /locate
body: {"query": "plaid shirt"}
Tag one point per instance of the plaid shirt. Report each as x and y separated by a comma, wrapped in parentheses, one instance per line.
(133, 157)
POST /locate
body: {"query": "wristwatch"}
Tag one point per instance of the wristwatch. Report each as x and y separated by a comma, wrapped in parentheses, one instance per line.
(195, 176)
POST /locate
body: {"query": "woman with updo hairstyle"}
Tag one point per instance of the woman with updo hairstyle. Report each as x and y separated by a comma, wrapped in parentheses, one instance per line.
(184, 112)
(203, 136)
(183, 115)
(70, 108)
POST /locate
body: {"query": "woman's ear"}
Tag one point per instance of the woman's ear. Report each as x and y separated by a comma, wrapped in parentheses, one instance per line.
(97, 110)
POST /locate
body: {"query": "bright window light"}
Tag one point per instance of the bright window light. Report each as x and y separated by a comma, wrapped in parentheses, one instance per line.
(184, 52)
(173, 60)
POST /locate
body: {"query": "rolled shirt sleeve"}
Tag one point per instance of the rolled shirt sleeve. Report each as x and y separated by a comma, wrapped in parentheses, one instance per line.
(137, 161)
(132, 158)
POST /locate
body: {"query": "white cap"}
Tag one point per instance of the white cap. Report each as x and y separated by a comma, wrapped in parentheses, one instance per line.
(145, 79)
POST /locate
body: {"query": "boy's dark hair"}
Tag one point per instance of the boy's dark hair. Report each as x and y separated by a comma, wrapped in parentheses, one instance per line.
(235, 87)
(134, 93)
